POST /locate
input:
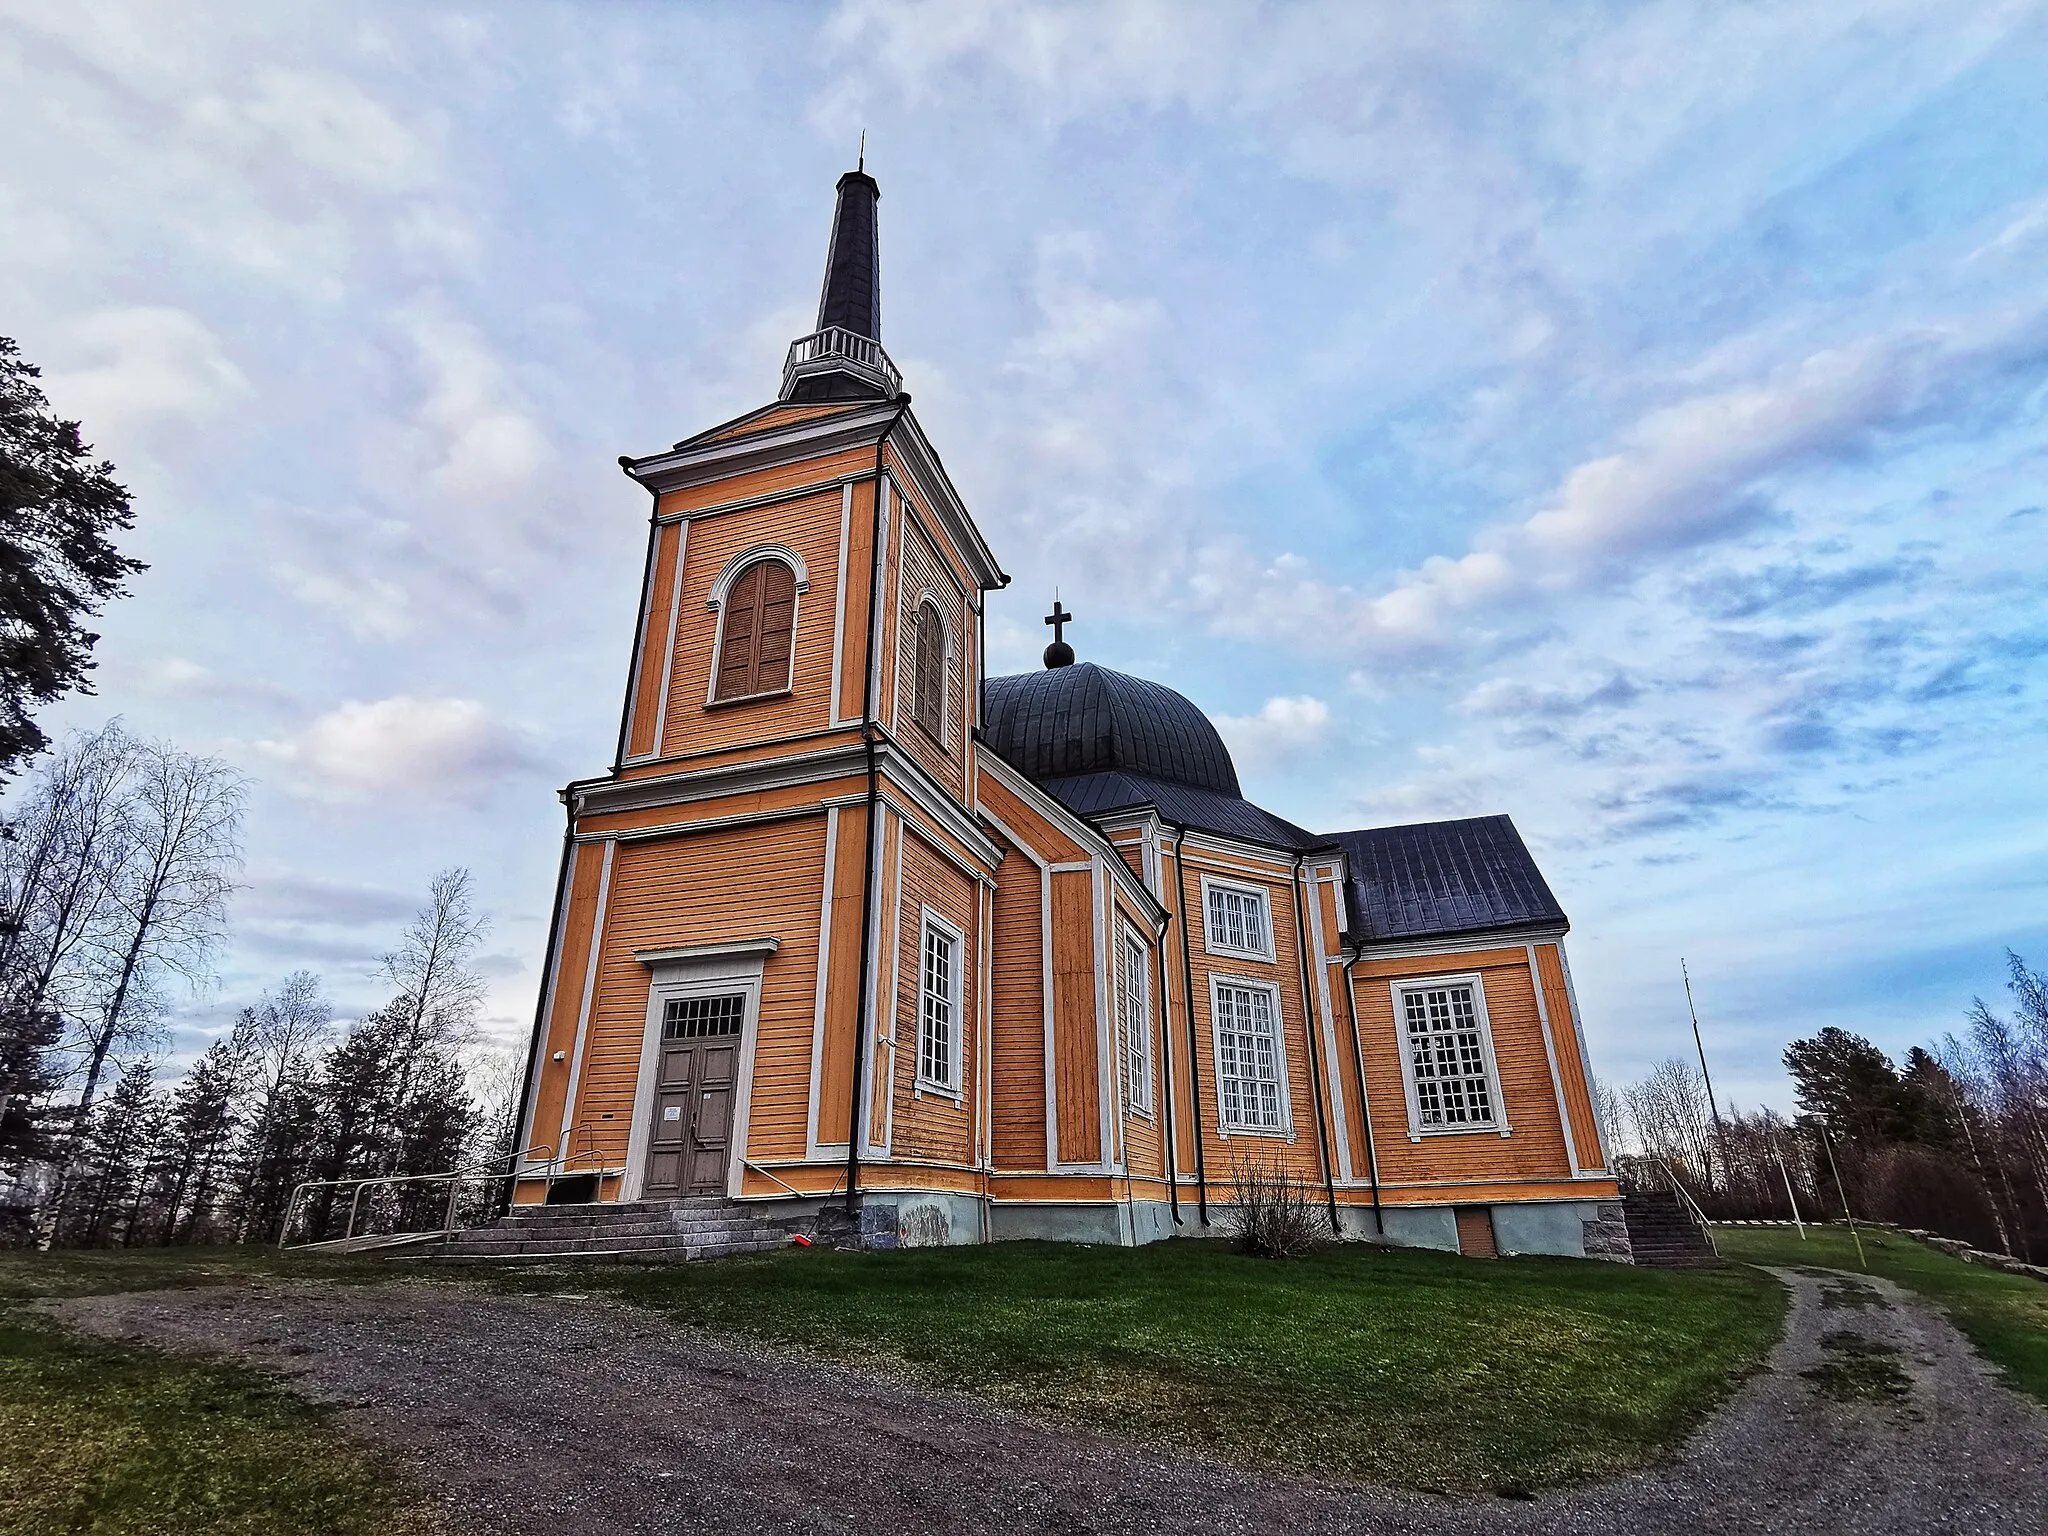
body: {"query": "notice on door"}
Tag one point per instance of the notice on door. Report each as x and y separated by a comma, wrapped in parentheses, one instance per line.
(673, 1112)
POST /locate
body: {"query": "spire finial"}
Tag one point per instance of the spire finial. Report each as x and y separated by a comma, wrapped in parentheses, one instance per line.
(1059, 653)
(861, 161)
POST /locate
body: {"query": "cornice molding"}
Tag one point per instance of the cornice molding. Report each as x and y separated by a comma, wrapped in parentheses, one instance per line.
(733, 949)
(698, 463)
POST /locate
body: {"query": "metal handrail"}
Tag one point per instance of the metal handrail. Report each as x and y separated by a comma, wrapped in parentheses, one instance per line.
(453, 1178)
(1692, 1206)
(769, 1174)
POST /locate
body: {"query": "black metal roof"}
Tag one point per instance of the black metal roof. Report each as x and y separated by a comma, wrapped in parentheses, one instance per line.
(853, 264)
(852, 295)
(1098, 794)
(1443, 877)
(1086, 719)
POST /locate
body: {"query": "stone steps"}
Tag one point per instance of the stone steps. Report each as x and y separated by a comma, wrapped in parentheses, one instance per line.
(665, 1231)
(1662, 1233)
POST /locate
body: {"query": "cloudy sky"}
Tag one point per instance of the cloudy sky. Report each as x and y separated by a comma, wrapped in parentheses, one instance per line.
(1625, 417)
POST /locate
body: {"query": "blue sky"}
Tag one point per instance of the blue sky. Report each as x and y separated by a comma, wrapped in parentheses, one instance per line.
(1629, 418)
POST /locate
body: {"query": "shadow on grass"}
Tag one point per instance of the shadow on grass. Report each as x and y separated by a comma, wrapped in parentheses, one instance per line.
(121, 1440)
(1393, 1367)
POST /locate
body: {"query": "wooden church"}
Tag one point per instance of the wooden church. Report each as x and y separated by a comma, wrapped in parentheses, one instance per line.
(852, 927)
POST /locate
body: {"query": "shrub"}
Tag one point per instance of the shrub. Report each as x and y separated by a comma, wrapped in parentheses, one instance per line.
(1276, 1215)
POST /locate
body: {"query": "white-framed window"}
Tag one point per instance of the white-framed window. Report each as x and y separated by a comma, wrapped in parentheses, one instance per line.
(938, 1005)
(1237, 920)
(1134, 1022)
(1447, 1056)
(1251, 1065)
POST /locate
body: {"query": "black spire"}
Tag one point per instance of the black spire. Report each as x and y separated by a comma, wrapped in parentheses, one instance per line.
(843, 359)
(853, 264)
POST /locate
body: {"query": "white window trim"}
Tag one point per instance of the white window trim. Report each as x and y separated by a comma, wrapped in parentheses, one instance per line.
(1416, 1129)
(1265, 898)
(930, 599)
(922, 1086)
(1285, 1131)
(715, 603)
(1126, 934)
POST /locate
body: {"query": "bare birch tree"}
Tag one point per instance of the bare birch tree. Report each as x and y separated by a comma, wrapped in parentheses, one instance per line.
(180, 842)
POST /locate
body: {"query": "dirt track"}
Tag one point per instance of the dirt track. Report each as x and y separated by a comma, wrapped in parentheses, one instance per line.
(563, 1416)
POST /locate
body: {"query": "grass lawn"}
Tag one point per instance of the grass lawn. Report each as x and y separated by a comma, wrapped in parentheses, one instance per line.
(115, 1440)
(2005, 1316)
(1396, 1367)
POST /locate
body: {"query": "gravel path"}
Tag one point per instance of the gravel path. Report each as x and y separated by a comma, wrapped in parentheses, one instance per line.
(566, 1416)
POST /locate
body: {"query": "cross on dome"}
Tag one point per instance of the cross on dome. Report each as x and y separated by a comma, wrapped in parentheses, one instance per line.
(1059, 653)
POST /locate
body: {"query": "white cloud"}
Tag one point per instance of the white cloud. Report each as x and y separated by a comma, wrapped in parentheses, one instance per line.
(1283, 733)
(1686, 474)
(371, 607)
(141, 367)
(434, 748)
(324, 121)
(482, 445)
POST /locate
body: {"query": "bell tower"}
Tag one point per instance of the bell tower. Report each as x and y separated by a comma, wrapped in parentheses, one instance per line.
(788, 826)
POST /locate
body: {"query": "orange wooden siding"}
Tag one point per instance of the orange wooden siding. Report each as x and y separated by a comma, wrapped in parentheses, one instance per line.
(1077, 1076)
(1534, 1147)
(572, 962)
(810, 527)
(737, 883)
(931, 1124)
(1571, 1071)
(1017, 1008)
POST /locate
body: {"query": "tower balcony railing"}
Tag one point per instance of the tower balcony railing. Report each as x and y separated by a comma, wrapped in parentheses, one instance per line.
(838, 350)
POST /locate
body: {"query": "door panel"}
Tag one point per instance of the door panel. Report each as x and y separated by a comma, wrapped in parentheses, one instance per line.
(691, 1138)
(711, 1132)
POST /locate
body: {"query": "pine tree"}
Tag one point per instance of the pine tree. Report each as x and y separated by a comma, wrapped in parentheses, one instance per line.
(204, 1117)
(58, 566)
(113, 1161)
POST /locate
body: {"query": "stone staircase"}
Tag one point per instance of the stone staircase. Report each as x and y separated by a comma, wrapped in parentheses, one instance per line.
(655, 1231)
(1663, 1233)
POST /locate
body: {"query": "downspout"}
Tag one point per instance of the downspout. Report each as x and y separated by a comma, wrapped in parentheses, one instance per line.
(863, 1009)
(1187, 971)
(1172, 1159)
(1308, 1029)
(547, 969)
(634, 662)
(1372, 1156)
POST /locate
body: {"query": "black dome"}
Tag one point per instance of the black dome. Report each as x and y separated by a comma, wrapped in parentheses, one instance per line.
(1088, 719)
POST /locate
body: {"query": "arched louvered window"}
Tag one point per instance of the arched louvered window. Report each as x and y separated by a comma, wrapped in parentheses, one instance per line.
(759, 620)
(928, 689)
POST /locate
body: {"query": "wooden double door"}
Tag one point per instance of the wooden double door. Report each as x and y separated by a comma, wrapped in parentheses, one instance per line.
(691, 1144)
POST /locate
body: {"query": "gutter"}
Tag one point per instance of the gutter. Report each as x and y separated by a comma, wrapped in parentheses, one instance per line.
(547, 970)
(1172, 1158)
(1187, 969)
(1315, 1068)
(863, 1013)
(1372, 1156)
(640, 632)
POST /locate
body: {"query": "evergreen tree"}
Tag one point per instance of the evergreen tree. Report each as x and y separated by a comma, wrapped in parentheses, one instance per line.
(113, 1161)
(58, 564)
(203, 1119)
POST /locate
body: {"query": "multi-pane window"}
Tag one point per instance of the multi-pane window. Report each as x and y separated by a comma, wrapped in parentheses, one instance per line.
(1447, 1058)
(1248, 1081)
(1237, 921)
(1134, 1024)
(938, 1024)
(695, 1018)
(759, 619)
(928, 685)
